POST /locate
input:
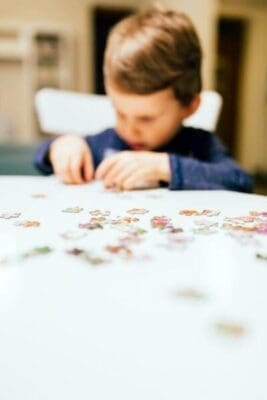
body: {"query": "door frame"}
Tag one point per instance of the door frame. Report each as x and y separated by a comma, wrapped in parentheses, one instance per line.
(251, 123)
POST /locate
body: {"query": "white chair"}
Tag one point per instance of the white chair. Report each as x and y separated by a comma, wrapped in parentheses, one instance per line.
(207, 115)
(64, 112)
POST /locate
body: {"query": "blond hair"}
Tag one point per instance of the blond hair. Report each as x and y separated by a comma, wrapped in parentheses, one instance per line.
(152, 51)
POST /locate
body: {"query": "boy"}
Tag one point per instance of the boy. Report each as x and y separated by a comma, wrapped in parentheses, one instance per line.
(152, 72)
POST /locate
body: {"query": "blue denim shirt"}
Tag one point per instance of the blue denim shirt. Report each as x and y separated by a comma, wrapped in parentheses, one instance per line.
(198, 160)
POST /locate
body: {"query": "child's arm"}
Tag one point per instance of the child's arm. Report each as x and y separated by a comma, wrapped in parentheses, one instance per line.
(189, 173)
(209, 167)
(219, 171)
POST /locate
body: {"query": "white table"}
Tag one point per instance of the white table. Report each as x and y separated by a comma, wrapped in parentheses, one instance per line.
(69, 330)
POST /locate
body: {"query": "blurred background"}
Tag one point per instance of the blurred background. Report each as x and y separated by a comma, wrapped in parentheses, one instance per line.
(59, 43)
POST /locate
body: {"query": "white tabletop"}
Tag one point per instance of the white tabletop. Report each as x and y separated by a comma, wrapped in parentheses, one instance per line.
(71, 330)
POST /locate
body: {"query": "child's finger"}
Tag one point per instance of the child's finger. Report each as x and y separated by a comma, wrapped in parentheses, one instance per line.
(62, 170)
(137, 181)
(123, 175)
(105, 166)
(114, 171)
(129, 183)
(66, 176)
(75, 170)
(60, 167)
(67, 179)
(88, 169)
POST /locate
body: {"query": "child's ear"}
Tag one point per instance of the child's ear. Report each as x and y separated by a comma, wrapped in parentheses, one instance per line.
(192, 106)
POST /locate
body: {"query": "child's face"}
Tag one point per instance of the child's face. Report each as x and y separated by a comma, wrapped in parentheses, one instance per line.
(147, 122)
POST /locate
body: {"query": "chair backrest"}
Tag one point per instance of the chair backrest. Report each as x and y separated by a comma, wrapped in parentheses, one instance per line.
(64, 112)
(207, 115)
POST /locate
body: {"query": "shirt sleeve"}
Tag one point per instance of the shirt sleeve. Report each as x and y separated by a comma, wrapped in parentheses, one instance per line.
(218, 171)
(41, 160)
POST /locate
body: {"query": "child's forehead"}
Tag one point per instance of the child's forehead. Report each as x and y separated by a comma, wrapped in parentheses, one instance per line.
(141, 103)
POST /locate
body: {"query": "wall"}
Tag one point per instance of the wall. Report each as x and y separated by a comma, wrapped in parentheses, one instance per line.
(252, 124)
(74, 15)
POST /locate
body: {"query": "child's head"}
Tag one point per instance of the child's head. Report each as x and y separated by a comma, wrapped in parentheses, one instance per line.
(152, 72)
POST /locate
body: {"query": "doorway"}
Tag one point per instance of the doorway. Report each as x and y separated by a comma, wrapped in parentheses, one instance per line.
(104, 18)
(231, 34)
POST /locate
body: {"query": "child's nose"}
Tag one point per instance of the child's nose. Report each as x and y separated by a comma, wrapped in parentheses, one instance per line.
(131, 130)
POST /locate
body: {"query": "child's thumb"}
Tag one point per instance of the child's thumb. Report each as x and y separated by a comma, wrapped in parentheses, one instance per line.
(88, 168)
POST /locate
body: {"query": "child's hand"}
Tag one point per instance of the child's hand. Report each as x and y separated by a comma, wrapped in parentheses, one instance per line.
(71, 159)
(131, 169)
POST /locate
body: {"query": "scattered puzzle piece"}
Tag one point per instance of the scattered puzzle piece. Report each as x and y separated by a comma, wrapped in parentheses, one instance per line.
(99, 213)
(161, 222)
(197, 213)
(124, 220)
(37, 251)
(3, 260)
(206, 227)
(258, 213)
(137, 211)
(73, 235)
(262, 255)
(129, 239)
(39, 196)
(73, 210)
(230, 329)
(121, 250)
(91, 225)
(28, 224)
(10, 215)
(191, 294)
(87, 256)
